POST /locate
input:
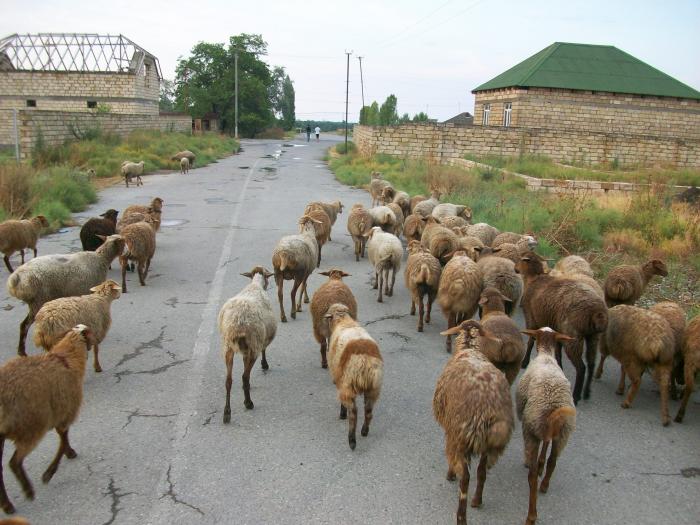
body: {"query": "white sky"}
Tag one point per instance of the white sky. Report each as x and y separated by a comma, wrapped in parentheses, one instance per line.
(430, 55)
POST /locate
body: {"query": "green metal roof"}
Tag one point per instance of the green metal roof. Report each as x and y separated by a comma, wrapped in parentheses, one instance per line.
(592, 68)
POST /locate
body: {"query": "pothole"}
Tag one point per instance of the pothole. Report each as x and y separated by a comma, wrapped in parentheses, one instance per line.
(173, 222)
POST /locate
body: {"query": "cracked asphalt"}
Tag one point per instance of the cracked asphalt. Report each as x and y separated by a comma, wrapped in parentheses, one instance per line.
(150, 440)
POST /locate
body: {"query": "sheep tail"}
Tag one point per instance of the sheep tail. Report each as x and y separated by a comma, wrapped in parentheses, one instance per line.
(423, 274)
(496, 441)
(284, 263)
(557, 419)
(599, 321)
(41, 340)
(620, 290)
(13, 284)
(457, 288)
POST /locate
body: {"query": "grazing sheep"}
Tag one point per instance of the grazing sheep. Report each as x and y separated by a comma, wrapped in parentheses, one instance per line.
(640, 339)
(131, 170)
(359, 224)
(438, 240)
(453, 222)
(20, 235)
(446, 209)
(415, 200)
(185, 154)
(572, 264)
(376, 186)
(384, 217)
(154, 210)
(104, 225)
(567, 306)
(403, 199)
(473, 406)
(398, 229)
(388, 194)
(485, 232)
(140, 240)
(422, 276)
(184, 165)
(504, 345)
(56, 317)
(60, 275)
(39, 393)
(425, 207)
(294, 258)
(460, 287)
(547, 412)
(500, 274)
(322, 227)
(247, 326)
(355, 365)
(413, 226)
(625, 283)
(333, 291)
(691, 363)
(385, 253)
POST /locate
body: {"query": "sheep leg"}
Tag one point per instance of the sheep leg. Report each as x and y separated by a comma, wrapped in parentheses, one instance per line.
(364, 246)
(248, 363)
(35, 252)
(358, 249)
(421, 313)
(148, 267)
(526, 359)
(413, 306)
(664, 378)
(551, 463)
(451, 321)
(279, 281)
(229, 382)
(7, 263)
(573, 352)
(557, 354)
(375, 280)
(431, 299)
(21, 451)
(343, 412)
(21, 253)
(369, 404)
(96, 359)
(23, 330)
(306, 293)
(295, 307)
(591, 347)
(463, 490)
(263, 363)
(142, 273)
(352, 423)
(480, 480)
(599, 370)
(393, 280)
(324, 349)
(621, 385)
(531, 453)
(635, 374)
(542, 458)
(689, 384)
(4, 500)
(387, 290)
(318, 262)
(63, 449)
(124, 263)
(380, 284)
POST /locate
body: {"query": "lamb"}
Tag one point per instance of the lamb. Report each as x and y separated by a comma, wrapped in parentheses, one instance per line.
(154, 210)
(422, 276)
(625, 283)
(19, 235)
(691, 358)
(131, 170)
(413, 226)
(485, 232)
(440, 241)
(376, 185)
(247, 326)
(140, 241)
(640, 339)
(184, 154)
(425, 208)
(383, 217)
(458, 294)
(572, 264)
(359, 225)
(385, 253)
(356, 367)
(567, 306)
(446, 209)
(40, 393)
(333, 291)
(294, 258)
(504, 345)
(322, 227)
(60, 275)
(473, 406)
(500, 274)
(104, 225)
(398, 228)
(546, 409)
(403, 199)
(184, 165)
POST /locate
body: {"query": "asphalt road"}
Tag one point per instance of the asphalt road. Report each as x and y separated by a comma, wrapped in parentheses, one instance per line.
(150, 440)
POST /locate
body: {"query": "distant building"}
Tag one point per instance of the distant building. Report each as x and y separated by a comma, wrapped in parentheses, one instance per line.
(208, 122)
(462, 119)
(582, 87)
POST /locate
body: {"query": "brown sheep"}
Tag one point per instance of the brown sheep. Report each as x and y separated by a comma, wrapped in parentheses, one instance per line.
(422, 276)
(155, 210)
(440, 241)
(332, 209)
(413, 227)
(333, 291)
(359, 225)
(388, 194)
(404, 201)
(398, 213)
(472, 404)
(376, 185)
(415, 200)
(675, 317)
(140, 240)
(322, 226)
(625, 283)
(19, 235)
(691, 360)
(452, 222)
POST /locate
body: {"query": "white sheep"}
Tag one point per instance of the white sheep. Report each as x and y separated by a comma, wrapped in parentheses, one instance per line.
(131, 170)
(184, 165)
(447, 209)
(385, 253)
(384, 217)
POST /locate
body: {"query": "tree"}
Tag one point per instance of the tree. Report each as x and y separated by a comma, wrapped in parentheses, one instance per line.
(369, 115)
(420, 117)
(404, 118)
(167, 95)
(283, 99)
(387, 113)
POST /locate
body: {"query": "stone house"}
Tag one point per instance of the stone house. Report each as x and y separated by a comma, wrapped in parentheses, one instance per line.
(589, 88)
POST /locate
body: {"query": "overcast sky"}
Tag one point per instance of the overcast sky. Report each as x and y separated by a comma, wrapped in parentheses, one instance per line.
(429, 54)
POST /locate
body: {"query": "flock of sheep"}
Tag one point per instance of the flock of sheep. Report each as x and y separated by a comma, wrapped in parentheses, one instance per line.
(468, 268)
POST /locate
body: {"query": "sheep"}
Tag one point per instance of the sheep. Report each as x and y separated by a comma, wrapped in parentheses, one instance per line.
(640, 339)
(60, 275)
(376, 185)
(413, 226)
(131, 170)
(356, 367)
(388, 194)
(447, 209)
(415, 200)
(425, 208)
(452, 222)
(332, 209)
(626, 283)
(40, 393)
(56, 317)
(460, 286)
(473, 406)
(691, 360)
(504, 347)
(572, 264)
(184, 154)
(322, 226)
(154, 210)
(385, 252)
(19, 235)
(472, 245)
(500, 274)
(422, 276)
(440, 241)
(404, 201)
(294, 258)
(485, 232)
(384, 217)
(105, 225)
(140, 241)
(247, 326)
(524, 243)
(398, 229)
(567, 306)
(545, 407)
(359, 224)
(333, 291)
(184, 165)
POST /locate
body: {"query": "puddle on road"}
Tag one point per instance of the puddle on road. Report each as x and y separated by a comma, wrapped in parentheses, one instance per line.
(173, 222)
(243, 167)
(293, 145)
(296, 158)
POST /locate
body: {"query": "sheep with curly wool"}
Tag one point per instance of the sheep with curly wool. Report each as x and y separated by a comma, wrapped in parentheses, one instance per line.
(187, 154)
(675, 316)
(425, 208)
(384, 217)
(376, 186)
(388, 194)
(184, 165)
(626, 283)
(572, 264)
(499, 273)
(140, 241)
(524, 243)
(385, 253)
(439, 240)
(359, 225)
(447, 209)
(322, 227)
(453, 222)
(485, 232)
(415, 200)
(422, 276)
(16, 236)
(154, 210)
(403, 199)
(398, 213)
(413, 227)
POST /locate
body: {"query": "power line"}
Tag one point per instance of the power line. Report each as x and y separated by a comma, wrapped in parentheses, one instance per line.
(410, 26)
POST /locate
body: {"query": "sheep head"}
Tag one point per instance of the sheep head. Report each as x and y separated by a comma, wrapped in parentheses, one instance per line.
(263, 272)
(494, 299)
(109, 287)
(529, 264)
(42, 221)
(547, 339)
(85, 334)
(336, 313)
(110, 214)
(655, 267)
(335, 273)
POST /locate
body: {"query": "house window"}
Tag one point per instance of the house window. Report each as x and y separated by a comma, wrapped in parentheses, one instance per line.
(92, 104)
(31, 103)
(507, 110)
(487, 112)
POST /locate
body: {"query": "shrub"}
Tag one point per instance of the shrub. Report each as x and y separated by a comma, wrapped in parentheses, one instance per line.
(340, 148)
(625, 241)
(271, 133)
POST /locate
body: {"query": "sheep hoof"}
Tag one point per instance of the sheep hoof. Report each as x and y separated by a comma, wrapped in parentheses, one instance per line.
(476, 504)
(451, 476)
(248, 404)
(227, 417)
(71, 454)
(420, 328)
(379, 300)
(265, 366)
(665, 421)
(364, 431)
(98, 369)
(45, 478)
(619, 391)
(678, 418)
(9, 508)
(283, 319)
(625, 404)
(352, 442)
(294, 315)
(324, 365)
(544, 488)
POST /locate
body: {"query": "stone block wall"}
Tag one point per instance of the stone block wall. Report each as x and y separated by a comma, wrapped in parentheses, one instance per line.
(598, 112)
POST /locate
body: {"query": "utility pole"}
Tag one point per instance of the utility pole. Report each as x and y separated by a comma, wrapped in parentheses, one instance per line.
(347, 91)
(235, 130)
(362, 83)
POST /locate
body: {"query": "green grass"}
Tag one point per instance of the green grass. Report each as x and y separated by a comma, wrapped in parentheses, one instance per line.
(544, 168)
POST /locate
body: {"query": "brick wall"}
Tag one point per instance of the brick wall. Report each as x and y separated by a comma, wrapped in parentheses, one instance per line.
(588, 111)
(442, 142)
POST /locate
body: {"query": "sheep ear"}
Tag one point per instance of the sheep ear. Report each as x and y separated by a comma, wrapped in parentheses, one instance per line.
(327, 274)
(506, 299)
(452, 331)
(525, 258)
(249, 275)
(563, 337)
(94, 288)
(478, 249)
(346, 274)
(103, 237)
(483, 300)
(531, 333)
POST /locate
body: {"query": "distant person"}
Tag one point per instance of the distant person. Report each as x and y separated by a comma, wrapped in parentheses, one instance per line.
(318, 133)
(308, 132)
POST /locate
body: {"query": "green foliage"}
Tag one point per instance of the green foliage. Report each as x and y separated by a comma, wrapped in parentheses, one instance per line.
(166, 101)
(420, 117)
(340, 148)
(387, 112)
(282, 97)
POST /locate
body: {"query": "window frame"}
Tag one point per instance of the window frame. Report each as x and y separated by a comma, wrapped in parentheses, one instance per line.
(507, 114)
(486, 115)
